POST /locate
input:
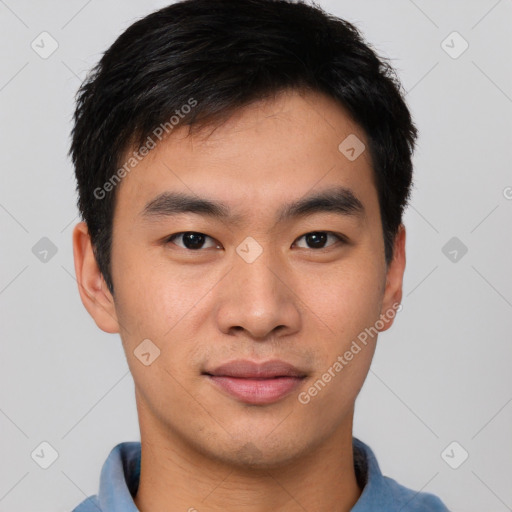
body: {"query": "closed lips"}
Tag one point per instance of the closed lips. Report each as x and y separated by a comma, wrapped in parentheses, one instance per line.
(245, 369)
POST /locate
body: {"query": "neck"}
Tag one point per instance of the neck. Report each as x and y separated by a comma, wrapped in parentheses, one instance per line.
(176, 477)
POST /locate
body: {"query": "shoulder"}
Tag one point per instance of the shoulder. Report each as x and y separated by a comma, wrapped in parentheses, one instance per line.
(383, 493)
(409, 500)
(90, 504)
(119, 480)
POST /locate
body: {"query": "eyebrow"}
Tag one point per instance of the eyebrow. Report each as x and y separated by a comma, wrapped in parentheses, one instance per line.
(339, 200)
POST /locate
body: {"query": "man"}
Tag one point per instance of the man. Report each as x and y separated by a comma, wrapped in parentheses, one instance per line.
(242, 170)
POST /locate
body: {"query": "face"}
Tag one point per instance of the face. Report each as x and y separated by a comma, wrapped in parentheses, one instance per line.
(256, 277)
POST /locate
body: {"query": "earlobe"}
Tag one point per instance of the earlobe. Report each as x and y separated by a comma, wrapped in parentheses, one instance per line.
(93, 290)
(394, 281)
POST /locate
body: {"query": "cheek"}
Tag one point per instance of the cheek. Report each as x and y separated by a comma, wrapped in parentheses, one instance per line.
(348, 304)
(167, 305)
(347, 298)
(152, 305)
(150, 294)
(158, 304)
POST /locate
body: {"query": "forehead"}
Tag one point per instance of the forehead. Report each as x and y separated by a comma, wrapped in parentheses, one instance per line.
(265, 155)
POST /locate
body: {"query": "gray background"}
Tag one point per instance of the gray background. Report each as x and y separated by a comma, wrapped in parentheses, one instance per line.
(441, 374)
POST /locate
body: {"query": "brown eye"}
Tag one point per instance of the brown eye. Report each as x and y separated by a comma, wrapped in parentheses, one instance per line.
(191, 240)
(318, 239)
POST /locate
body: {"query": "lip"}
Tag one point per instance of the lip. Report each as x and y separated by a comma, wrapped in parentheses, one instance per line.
(256, 383)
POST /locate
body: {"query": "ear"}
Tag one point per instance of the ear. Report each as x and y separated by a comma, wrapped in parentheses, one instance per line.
(394, 280)
(93, 289)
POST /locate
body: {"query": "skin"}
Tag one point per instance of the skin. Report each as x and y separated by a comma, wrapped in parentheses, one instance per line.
(203, 449)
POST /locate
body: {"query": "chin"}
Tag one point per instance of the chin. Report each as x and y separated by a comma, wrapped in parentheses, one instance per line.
(260, 454)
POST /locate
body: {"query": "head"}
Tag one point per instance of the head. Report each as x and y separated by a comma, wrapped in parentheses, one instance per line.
(277, 140)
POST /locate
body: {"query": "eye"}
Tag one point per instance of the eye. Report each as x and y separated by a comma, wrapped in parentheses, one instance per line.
(318, 239)
(192, 240)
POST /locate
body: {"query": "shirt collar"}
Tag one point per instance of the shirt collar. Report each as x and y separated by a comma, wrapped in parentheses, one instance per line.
(119, 478)
(376, 491)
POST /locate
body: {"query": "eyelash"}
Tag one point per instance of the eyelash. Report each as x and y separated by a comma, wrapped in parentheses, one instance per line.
(341, 238)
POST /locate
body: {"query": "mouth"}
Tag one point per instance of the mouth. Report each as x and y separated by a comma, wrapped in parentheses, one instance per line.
(256, 383)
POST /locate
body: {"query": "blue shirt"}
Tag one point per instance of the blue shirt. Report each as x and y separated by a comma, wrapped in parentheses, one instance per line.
(120, 474)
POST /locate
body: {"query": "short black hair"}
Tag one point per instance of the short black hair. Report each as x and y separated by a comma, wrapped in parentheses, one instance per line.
(199, 61)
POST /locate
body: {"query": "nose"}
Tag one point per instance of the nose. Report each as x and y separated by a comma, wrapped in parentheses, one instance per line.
(258, 299)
